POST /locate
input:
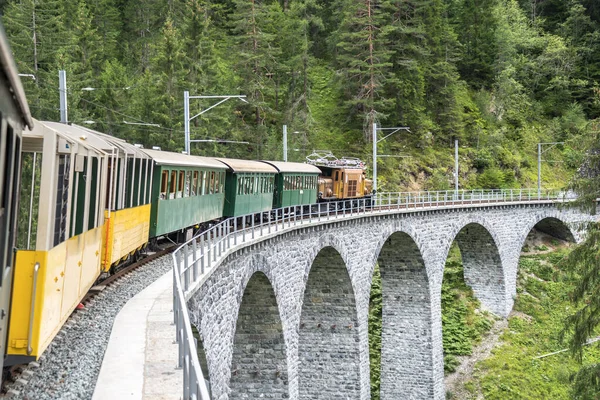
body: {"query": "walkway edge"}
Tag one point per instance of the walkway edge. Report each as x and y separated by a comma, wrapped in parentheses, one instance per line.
(122, 372)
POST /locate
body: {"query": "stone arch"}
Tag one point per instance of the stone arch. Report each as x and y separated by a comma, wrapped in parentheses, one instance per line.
(328, 341)
(407, 348)
(259, 360)
(552, 224)
(483, 267)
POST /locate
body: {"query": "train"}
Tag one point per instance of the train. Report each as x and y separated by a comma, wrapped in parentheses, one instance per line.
(76, 204)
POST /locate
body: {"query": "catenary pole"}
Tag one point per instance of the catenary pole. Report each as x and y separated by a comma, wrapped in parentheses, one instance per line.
(62, 88)
(186, 117)
(285, 149)
(456, 165)
(374, 156)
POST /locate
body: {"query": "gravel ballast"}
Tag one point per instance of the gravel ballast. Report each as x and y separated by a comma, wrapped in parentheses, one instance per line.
(69, 367)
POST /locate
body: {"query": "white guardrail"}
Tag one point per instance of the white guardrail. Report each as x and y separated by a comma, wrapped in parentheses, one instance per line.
(194, 260)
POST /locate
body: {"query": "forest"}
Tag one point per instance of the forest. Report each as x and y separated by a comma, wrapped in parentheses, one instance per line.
(499, 76)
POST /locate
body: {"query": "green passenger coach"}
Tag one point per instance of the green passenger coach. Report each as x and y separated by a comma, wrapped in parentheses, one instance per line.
(249, 187)
(295, 184)
(186, 190)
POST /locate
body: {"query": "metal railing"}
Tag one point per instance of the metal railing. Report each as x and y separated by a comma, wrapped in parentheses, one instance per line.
(196, 259)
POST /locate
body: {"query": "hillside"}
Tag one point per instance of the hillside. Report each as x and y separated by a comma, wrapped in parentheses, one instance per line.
(498, 75)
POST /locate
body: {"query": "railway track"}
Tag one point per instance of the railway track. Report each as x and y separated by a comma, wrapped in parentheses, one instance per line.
(124, 272)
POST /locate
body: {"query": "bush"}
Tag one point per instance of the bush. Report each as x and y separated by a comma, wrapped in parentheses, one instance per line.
(491, 178)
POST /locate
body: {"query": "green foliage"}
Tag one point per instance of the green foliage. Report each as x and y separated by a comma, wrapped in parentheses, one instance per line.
(462, 322)
(498, 75)
(375, 310)
(534, 329)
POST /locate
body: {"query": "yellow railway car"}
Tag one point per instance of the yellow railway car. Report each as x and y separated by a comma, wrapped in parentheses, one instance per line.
(14, 117)
(127, 211)
(60, 239)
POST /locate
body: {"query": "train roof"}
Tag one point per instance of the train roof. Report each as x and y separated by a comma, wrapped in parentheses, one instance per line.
(127, 148)
(12, 76)
(170, 158)
(81, 135)
(247, 165)
(33, 140)
(283, 166)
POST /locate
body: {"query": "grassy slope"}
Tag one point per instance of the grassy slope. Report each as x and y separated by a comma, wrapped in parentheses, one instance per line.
(542, 303)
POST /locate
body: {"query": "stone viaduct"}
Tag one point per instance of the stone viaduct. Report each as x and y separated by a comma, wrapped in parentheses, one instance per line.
(285, 316)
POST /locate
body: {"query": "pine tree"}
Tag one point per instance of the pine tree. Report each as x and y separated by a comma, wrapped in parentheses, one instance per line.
(166, 75)
(296, 58)
(583, 324)
(475, 24)
(255, 25)
(363, 61)
(36, 29)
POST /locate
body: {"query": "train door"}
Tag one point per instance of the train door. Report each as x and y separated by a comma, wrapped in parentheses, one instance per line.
(10, 166)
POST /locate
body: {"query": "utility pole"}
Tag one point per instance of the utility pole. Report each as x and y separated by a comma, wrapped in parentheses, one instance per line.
(375, 141)
(62, 88)
(539, 170)
(285, 149)
(374, 157)
(456, 166)
(186, 117)
(186, 112)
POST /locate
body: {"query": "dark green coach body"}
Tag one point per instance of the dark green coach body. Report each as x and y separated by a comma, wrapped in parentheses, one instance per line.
(295, 184)
(186, 190)
(248, 187)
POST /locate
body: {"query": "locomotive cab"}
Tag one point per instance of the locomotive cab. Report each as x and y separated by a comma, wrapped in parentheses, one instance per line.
(343, 183)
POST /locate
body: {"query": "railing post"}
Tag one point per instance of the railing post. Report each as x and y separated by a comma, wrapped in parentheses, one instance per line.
(208, 250)
(228, 234)
(203, 255)
(186, 268)
(195, 259)
(181, 341)
(235, 231)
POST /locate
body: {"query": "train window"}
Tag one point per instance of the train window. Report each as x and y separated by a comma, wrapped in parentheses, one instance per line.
(180, 184)
(222, 180)
(342, 177)
(195, 184)
(173, 185)
(188, 182)
(217, 182)
(239, 185)
(202, 183)
(211, 185)
(298, 182)
(164, 181)
(336, 175)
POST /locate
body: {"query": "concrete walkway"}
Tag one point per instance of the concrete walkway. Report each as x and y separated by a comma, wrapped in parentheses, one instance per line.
(141, 357)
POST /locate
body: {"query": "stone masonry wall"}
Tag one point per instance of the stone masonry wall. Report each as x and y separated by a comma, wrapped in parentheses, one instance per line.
(482, 266)
(406, 357)
(259, 368)
(328, 357)
(287, 259)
